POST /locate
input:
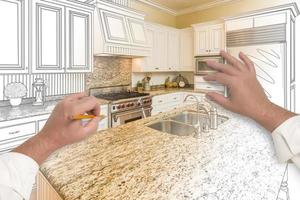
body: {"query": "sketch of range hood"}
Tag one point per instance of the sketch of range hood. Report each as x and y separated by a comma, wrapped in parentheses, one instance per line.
(119, 31)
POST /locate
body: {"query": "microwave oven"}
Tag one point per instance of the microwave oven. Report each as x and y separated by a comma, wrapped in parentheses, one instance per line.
(201, 66)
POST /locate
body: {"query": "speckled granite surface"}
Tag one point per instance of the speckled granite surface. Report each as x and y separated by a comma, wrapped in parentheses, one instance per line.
(132, 161)
(28, 110)
(25, 110)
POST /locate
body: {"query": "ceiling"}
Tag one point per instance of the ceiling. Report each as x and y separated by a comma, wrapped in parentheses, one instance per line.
(178, 5)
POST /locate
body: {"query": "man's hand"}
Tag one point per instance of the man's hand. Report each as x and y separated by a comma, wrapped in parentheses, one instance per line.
(61, 129)
(246, 95)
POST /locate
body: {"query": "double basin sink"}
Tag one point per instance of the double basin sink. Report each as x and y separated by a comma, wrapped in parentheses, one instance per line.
(184, 123)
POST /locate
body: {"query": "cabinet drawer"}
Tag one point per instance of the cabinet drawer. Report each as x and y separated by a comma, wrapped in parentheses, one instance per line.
(209, 86)
(17, 132)
(167, 98)
(41, 124)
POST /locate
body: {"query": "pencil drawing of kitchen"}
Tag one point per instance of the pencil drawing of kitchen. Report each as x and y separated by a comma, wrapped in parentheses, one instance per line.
(144, 60)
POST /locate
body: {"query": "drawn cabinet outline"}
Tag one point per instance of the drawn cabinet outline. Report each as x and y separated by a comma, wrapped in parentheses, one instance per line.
(79, 41)
(48, 37)
(14, 45)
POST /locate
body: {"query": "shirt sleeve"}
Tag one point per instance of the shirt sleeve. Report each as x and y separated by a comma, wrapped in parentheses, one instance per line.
(18, 172)
(286, 139)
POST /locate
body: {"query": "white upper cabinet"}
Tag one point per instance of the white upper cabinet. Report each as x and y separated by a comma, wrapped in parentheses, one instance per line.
(171, 50)
(79, 42)
(14, 30)
(54, 37)
(48, 31)
(187, 50)
(174, 49)
(209, 39)
(62, 37)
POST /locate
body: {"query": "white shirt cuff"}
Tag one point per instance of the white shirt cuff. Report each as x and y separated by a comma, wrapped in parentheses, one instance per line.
(286, 139)
(18, 172)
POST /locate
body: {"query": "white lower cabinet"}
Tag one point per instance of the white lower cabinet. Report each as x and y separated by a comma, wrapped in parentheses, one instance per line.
(16, 132)
(168, 102)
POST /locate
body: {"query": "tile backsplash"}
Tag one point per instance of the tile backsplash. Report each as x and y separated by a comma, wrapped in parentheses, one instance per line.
(109, 71)
(57, 84)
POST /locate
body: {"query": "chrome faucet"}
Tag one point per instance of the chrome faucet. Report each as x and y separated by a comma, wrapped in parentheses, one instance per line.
(211, 113)
(198, 125)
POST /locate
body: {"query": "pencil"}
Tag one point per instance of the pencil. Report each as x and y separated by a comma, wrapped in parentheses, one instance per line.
(80, 117)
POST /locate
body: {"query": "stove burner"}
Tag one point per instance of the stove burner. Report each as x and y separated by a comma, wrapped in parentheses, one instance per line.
(121, 95)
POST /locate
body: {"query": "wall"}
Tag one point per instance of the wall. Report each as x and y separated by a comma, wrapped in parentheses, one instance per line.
(159, 78)
(154, 14)
(235, 8)
(109, 71)
(57, 84)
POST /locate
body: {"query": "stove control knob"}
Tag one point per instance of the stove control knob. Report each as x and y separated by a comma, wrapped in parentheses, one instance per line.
(119, 107)
(128, 105)
(123, 106)
(139, 104)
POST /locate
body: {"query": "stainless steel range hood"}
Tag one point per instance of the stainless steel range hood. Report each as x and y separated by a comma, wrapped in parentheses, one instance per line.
(119, 31)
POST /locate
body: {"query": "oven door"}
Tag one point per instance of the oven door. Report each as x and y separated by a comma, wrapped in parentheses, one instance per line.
(202, 68)
(129, 116)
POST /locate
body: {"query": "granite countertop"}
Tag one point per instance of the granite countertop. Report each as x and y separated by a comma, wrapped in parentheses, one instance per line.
(28, 110)
(132, 161)
(25, 110)
(170, 90)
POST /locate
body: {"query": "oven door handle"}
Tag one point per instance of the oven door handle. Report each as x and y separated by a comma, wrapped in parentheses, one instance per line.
(116, 116)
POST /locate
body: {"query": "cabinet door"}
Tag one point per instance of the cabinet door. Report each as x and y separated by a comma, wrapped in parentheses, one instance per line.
(137, 30)
(150, 60)
(79, 41)
(161, 50)
(216, 39)
(48, 37)
(186, 50)
(202, 42)
(116, 29)
(173, 50)
(12, 36)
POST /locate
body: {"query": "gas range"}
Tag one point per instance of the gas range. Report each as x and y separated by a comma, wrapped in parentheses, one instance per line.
(122, 101)
(125, 106)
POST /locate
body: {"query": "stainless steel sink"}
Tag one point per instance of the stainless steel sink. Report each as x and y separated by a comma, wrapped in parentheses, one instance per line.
(191, 118)
(172, 127)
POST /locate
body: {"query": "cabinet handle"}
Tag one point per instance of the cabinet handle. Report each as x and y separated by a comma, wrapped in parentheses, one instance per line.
(157, 68)
(160, 101)
(13, 132)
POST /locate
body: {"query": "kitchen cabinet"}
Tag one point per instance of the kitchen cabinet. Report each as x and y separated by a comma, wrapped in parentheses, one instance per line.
(208, 86)
(186, 50)
(53, 35)
(62, 37)
(174, 49)
(16, 132)
(79, 41)
(13, 36)
(256, 20)
(171, 50)
(168, 102)
(48, 33)
(209, 39)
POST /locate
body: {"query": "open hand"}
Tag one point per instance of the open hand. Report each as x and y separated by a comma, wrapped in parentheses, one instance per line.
(246, 95)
